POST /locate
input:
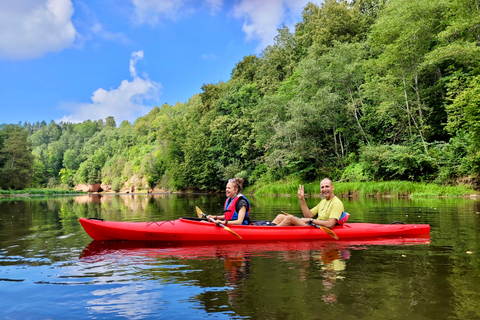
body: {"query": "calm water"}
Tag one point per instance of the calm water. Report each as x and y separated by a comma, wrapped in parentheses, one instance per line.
(51, 269)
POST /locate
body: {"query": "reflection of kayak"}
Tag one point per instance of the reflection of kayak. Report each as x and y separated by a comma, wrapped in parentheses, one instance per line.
(211, 250)
(191, 229)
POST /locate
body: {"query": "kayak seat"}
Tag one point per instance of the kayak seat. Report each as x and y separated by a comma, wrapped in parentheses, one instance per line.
(343, 218)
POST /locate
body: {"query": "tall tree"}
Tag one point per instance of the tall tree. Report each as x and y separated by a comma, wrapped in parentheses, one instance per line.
(401, 37)
(16, 159)
(277, 62)
(334, 20)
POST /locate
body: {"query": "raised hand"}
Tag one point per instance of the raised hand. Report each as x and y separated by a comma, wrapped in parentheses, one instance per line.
(301, 192)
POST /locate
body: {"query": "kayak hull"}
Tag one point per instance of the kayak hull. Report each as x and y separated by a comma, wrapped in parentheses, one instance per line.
(185, 230)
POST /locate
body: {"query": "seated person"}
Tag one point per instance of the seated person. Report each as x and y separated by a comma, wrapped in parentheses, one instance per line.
(237, 206)
(327, 213)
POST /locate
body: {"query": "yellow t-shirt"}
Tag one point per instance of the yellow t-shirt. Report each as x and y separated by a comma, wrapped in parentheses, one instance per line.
(327, 209)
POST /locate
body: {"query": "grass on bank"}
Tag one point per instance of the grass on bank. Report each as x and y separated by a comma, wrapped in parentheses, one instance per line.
(388, 188)
(32, 191)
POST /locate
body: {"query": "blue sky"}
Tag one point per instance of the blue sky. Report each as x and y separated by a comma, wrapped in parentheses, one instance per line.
(70, 60)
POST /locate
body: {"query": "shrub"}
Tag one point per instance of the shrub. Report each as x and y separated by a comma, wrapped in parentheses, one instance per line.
(117, 184)
(354, 173)
(395, 162)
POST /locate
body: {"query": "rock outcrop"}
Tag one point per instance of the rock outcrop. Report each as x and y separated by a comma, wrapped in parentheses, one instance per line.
(97, 187)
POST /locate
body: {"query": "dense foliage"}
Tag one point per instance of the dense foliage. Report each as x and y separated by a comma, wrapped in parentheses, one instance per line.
(366, 90)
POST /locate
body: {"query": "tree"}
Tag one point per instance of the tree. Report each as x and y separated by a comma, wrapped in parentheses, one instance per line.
(458, 39)
(246, 69)
(464, 111)
(277, 62)
(110, 122)
(211, 93)
(16, 159)
(334, 20)
(401, 37)
(314, 120)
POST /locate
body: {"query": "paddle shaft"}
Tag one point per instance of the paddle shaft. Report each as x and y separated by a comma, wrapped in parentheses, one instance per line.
(200, 213)
(213, 220)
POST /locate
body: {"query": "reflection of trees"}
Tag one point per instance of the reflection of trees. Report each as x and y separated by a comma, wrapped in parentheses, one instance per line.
(137, 207)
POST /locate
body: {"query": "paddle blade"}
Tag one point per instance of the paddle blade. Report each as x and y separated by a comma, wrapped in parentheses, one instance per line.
(200, 213)
(330, 232)
(232, 232)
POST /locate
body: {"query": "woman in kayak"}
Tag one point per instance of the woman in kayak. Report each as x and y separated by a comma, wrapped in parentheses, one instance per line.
(327, 213)
(237, 206)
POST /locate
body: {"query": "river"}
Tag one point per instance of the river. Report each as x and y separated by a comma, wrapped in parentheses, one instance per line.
(51, 269)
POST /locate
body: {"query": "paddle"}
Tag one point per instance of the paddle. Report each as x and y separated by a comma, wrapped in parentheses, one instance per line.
(200, 214)
(324, 229)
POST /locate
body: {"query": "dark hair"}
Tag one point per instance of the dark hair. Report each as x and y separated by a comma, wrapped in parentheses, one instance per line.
(238, 183)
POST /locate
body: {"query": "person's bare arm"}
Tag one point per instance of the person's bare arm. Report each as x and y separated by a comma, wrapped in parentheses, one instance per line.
(303, 204)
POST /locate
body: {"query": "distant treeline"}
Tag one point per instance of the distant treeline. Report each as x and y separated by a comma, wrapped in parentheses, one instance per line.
(367, 90)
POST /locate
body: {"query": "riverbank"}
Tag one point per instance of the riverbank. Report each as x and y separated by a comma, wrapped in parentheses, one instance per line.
(366, 189)
(290, 188)
(45, 191)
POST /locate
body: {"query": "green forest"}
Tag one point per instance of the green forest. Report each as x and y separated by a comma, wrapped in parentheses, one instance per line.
(365, 90)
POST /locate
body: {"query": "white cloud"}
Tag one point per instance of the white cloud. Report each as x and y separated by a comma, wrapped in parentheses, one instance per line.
(153, 11)
(137, 55)
(150, 11)
(123, 103)
(209, 56)
(214, 5)
(262, 18)
(31, 28)
(100, 31)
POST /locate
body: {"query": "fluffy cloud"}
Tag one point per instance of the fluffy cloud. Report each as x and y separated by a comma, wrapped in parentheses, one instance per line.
(263, 17)
(123, 103)
(31, 28)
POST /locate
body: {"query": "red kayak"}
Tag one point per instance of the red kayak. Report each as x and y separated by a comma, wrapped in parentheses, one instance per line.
(192, 229)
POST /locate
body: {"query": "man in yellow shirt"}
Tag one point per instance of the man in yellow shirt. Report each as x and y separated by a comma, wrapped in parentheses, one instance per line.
(327, 213)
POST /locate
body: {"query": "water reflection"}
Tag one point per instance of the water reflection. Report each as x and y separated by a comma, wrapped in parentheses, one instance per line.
(333, 263)
(173, 262)
(328, 259)
(237, 269)
(46, 258)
